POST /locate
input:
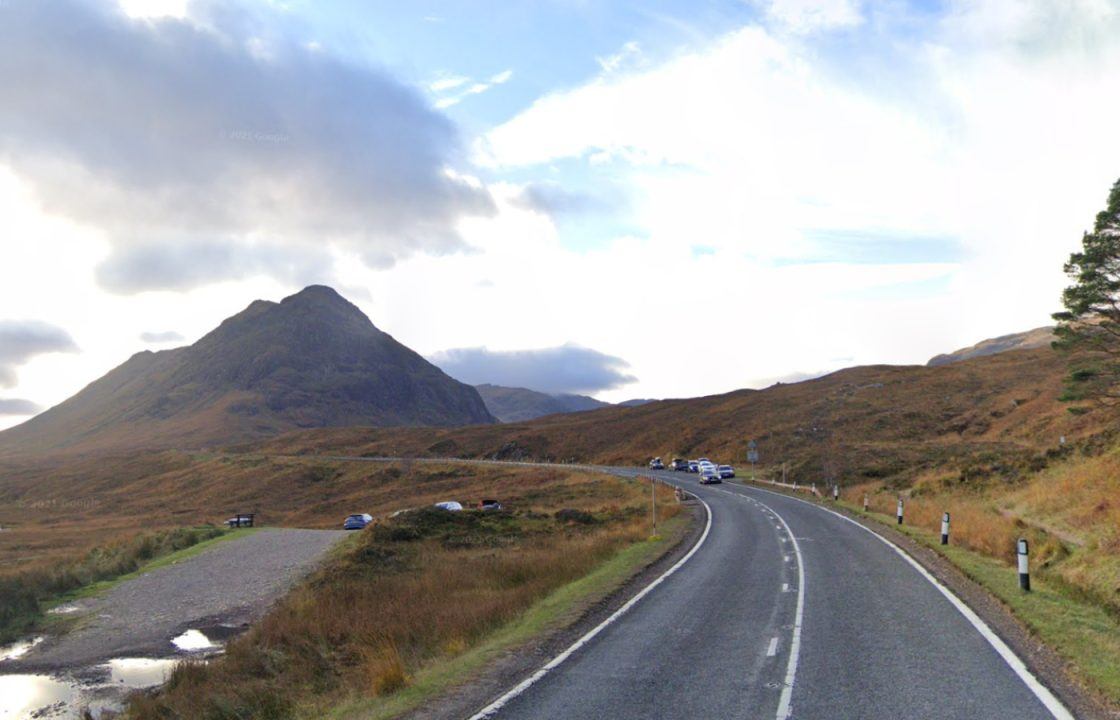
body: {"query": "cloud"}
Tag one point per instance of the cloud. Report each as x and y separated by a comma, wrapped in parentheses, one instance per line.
(22, 340)
(551, 199)
(161, 337)
(564, 369)
(199, 131)
(807, 16)
(441, 86)
(14, 406)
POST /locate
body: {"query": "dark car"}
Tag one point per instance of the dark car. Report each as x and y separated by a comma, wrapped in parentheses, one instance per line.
(680, 465)
(725, 472)
(357, 522)
(693, 466)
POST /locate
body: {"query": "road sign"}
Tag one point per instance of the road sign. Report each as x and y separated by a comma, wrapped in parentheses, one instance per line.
(752, 445)
(752, 456)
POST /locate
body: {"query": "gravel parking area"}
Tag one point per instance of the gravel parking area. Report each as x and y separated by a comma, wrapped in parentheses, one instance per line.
(230, 584)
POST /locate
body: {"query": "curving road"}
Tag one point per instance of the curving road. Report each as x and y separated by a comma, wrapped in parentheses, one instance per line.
(786, 610)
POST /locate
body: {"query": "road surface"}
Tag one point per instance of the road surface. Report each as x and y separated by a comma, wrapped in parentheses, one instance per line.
(785, 611)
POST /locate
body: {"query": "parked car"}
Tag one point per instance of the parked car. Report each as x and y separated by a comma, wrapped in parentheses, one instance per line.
(679, 464)
(725, 472)
(449, 505)
(357, 522)
(708, 476)
(693, 466)
(656, 464)
(489, 505)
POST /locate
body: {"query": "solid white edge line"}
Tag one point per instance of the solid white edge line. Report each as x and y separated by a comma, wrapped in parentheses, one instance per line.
(1047, 698)
(784, 702)
(528, 682)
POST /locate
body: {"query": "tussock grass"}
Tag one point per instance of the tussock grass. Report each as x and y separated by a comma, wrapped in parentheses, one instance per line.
(410, 593)
(23, 593)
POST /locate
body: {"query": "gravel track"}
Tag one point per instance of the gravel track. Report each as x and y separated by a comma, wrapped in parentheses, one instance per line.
(231, 584)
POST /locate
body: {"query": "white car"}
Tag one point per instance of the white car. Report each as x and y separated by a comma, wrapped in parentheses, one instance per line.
(449, 505)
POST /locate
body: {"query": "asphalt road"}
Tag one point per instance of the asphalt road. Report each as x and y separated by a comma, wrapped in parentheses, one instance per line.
(872, 637)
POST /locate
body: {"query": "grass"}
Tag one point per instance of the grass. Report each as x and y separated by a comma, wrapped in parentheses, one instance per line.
(24, 595)
(419, 599)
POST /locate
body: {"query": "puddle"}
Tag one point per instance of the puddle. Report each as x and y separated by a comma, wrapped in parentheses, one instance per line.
(23, 695)
(19, 649)
(140, 672)
(105, 688)
(193, 641)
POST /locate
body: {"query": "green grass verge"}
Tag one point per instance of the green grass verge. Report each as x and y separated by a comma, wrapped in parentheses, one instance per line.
(1085, 634)
(553, 612)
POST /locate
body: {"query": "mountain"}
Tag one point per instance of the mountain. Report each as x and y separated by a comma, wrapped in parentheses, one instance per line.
(636, 402)
(311, 360)
(992, 414)
(511, 404)
(1037, 338)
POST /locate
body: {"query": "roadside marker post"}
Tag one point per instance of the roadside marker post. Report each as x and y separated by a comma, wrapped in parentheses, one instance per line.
(945, 529)
(836, 492)
(900, 511)
(1024, 566)
(865, 503)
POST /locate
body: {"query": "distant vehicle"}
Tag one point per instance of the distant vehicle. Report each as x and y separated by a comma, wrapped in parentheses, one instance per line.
(693, 466)
(708, 476)
(704, 460)
(489, 505)
(357, 522)
(725, 471)
(706, 465)
(656, 464)
(449, 505)
(680, 464)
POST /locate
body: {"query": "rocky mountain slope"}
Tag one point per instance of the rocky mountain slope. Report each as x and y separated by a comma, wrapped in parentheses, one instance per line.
(311, 360)
(510, 404)
(1037, 338)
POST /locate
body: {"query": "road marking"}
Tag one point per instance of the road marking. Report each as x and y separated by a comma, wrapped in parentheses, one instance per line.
(795, 640)
(785, 587)
(1047, 698)
(773, 649)
(528, 682)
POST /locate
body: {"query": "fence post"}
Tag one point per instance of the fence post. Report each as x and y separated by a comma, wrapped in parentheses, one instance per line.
(945, 529)
(900, 511)
(1024, 566)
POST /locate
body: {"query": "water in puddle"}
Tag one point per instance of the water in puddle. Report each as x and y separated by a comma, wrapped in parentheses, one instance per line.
(19, 649)
(193, 641)
(140, 672)
(25, 696)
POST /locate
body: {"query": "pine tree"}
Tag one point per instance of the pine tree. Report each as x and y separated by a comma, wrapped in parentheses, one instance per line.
(1089, 328)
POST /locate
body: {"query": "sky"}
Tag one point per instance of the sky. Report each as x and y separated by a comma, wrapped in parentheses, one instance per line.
(659, 199)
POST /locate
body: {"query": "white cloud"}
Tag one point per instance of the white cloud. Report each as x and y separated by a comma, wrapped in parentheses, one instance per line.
(807, 16)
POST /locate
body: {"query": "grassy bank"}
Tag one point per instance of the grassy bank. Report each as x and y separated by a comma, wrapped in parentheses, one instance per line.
(24, 594)
(413, 603)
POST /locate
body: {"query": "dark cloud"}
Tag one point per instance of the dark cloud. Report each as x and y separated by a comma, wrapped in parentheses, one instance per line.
(564, 369)
(15, 406)
(552, 199)
(161, 337)
(218, 132)
(22, 340)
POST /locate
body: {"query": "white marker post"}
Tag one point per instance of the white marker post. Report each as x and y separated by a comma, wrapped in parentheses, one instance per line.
(865, 503)
(945, 529)
(1024, 566)
(900, 511)
(836, 492)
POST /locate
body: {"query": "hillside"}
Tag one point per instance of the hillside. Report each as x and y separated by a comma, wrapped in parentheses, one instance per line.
(993, 415)
(311, 360)
(509, 404)
(1029, 340)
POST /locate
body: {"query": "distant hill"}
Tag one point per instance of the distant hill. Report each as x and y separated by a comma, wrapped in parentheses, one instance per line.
(1037, 338)
(311, 360)
(636, 402)
(991, 414)
(511, 404)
